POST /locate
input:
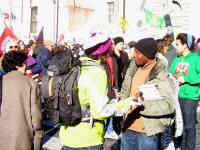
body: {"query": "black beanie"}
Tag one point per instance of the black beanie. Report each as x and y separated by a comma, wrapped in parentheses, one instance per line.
(147, 47)
(118, 39)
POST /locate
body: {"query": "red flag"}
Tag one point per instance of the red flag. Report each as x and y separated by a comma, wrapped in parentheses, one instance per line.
(61, 38)
(6, 36)
(34, 37)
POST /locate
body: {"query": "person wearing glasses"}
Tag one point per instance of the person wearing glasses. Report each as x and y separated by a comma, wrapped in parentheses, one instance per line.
(13, 45)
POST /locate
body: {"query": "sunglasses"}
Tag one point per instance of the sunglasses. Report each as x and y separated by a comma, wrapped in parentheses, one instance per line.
(14, 47)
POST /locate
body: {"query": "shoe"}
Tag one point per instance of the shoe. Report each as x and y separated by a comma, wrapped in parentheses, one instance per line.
(111, 135)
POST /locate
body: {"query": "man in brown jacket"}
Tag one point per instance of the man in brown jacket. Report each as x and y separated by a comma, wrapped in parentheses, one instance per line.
(20, 116)
(144, 124)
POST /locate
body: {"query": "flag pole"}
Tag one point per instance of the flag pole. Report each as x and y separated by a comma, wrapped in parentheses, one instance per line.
(124, 10)
(22, 11)
(57, 13)
(10, 10)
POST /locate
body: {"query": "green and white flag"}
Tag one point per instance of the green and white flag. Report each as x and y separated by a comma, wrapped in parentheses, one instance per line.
(153, 20)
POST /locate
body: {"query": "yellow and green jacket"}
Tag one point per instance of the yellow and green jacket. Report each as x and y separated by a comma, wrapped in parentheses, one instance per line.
(92, 91)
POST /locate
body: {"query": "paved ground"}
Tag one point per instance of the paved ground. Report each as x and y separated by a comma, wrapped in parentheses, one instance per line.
(51, 141)
(198, 130)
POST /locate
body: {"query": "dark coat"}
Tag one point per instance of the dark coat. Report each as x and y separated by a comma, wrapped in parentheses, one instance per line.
(36, 50)
(43, 59)
(115, 70)
(120, 65)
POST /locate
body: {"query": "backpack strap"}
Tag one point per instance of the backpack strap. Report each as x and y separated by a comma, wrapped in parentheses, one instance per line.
(85, 113)
(86, 116)
(50, 86)
(56, 102)
(72, 78)
(91, 63)
(1, 78)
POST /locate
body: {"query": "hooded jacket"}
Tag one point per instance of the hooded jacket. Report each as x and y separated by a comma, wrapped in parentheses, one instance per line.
(189, 68)
(157, 115)
(92, 91)
(43, 60)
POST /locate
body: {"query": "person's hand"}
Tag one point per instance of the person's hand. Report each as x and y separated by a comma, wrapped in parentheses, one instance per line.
(136, 102)
(117, 93)
(181, 80)
(114, 94)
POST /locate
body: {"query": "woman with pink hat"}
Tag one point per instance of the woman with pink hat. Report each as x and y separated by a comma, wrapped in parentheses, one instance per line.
(92, 91)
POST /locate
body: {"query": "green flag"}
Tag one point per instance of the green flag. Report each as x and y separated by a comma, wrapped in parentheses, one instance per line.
(153, 20)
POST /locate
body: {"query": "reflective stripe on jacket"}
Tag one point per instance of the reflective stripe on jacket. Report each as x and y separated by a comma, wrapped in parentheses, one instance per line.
(92, 91)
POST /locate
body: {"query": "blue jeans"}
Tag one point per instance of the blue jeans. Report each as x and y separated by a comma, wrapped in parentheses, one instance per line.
(98, 147)
(132, 140)
(188, 109)
(110, 125)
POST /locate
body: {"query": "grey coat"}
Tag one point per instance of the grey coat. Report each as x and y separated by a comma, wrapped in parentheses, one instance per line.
(170, 55)
(20, 120)
(155, 114)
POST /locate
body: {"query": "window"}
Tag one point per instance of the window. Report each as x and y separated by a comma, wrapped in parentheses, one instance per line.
(34, 19)
(111, 12)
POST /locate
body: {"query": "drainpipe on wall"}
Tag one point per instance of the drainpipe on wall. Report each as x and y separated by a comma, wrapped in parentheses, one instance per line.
(10, 10)
(22, 9)
(54, 21)
(57, 13)
(30, 19)
(124, 8)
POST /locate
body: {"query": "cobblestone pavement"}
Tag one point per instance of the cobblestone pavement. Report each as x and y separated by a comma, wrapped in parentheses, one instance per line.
(51, 141)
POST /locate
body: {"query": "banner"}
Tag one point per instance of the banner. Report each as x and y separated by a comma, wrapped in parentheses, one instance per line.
(123, 24)
(6, 36)
(153, 20)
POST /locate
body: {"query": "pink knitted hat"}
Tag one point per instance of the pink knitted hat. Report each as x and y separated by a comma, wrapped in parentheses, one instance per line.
(97, 44)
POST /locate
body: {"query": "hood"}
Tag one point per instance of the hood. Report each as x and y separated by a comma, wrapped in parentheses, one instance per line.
(189, 55)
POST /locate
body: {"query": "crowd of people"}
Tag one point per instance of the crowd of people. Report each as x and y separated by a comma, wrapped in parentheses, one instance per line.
(144, 95)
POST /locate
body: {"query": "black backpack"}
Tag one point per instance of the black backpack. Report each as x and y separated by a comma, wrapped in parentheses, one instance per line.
(60, 93)
(59, 90)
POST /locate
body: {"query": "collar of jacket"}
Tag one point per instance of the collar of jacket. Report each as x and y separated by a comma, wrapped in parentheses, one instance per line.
(159, 71)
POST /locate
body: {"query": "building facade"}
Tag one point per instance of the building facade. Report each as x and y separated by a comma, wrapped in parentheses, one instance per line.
(72, 17)
(56, 16)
